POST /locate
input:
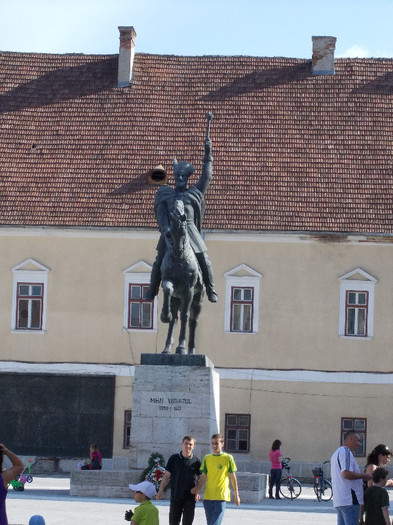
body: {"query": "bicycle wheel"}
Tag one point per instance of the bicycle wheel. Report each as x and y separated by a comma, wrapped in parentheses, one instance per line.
(327, 492)
(290, 488)
(317, 489)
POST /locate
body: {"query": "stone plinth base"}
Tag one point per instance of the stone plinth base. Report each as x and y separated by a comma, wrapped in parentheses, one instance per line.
(174, 396)
(252, 487)
(101, 484)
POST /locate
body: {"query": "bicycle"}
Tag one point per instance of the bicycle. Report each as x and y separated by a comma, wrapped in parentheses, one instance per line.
(290, 487)
(322, 486)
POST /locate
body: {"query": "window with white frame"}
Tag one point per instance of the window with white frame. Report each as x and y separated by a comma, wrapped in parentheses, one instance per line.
(356, 309)
(357, 304)
(140, 310)
(30, 305)
(242, 300)
(242, 309)
(29, 297)
(139, 313)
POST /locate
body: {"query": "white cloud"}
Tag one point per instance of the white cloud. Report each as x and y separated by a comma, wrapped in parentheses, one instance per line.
(356, 51)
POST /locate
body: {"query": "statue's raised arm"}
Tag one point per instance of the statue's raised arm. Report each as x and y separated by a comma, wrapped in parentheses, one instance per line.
(207, 168)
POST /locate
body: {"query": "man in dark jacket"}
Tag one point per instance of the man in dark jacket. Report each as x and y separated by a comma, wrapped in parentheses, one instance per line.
(182, 470)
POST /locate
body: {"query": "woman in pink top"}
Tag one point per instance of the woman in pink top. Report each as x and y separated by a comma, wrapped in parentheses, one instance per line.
(275, 456)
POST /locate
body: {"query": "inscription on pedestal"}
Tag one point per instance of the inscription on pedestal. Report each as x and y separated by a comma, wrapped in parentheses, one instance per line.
(155, 404)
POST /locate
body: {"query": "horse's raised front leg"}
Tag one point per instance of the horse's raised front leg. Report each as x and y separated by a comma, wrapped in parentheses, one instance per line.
(166, 315)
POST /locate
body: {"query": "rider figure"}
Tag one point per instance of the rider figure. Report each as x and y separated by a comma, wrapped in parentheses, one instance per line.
(194, 206)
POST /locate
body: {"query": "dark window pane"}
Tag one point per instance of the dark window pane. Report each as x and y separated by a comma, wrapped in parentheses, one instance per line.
(361, 321)
(243, 434)
(362, 298)
(134, 314)
(36, 290)
(247, 318)
(135, 292)
(23, 313)
(351, 298)
(360, 424)
(247, 294)
(23, 289)
(237, 294)
(351, 321)
(231, 419)
(127, 429)
(347, 424)
(146, 315)
(236, 318)
(244, 421)
(35, 314)
(243, 445)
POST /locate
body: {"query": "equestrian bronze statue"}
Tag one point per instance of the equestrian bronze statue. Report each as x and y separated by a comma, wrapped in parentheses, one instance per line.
(179, 211)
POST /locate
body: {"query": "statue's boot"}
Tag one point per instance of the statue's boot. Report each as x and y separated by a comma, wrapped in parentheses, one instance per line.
(155, 279)
(207, 276)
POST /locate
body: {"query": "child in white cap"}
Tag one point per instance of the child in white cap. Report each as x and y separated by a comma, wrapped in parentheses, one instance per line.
(146, 513)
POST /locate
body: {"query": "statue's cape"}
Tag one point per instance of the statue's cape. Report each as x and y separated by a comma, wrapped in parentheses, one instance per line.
(168, 195)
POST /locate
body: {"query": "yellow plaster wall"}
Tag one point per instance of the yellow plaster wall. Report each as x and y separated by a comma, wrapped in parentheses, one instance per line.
(298, 316)
(306, 417)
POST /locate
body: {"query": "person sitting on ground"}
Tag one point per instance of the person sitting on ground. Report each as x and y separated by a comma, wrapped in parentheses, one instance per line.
(95, 462)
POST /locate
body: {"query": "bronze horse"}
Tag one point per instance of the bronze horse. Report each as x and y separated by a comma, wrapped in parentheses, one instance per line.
(181, 283)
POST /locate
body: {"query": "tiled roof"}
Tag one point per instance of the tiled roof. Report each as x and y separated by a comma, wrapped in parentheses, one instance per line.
(292, 151)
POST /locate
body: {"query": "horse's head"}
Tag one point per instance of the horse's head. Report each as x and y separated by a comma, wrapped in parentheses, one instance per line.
(178, 214)
(178, 230)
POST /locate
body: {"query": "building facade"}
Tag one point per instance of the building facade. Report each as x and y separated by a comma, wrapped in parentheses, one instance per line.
(298, 226)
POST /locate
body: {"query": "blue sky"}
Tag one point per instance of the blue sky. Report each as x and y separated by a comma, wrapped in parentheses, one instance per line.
(198, 27)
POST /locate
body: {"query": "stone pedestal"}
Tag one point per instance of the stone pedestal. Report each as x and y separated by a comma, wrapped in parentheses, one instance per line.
(174, 395)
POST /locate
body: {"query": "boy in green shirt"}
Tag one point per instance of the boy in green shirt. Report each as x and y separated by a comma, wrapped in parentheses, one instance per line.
(146, 513)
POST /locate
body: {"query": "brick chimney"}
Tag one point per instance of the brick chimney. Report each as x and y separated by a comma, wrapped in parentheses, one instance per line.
(126, 56)
(323, 55)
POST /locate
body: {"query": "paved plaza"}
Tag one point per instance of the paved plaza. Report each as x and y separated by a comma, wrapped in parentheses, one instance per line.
(49, 496)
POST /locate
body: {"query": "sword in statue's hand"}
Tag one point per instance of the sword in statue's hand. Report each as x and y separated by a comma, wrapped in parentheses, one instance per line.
(209, 116)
